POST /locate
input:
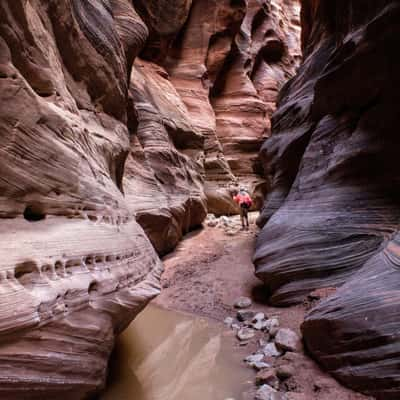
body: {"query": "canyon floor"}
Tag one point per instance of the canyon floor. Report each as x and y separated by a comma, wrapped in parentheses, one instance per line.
(204, 276)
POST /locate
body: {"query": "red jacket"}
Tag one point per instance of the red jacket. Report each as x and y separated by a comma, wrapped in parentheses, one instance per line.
(243, 199)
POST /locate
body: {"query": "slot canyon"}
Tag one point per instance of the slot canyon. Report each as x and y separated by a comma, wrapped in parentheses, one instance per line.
(127, 127)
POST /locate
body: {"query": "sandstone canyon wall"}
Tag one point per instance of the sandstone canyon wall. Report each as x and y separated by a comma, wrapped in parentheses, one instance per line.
(121, 121)
(228, 64)
(332, 216)
(75, 265)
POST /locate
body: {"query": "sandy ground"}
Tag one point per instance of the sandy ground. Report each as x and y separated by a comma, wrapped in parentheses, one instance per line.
(204, 276)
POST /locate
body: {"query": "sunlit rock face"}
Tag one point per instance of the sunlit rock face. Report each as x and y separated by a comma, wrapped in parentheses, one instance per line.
(335, 203)
(75, 266)
(227, 64)
(263, 55)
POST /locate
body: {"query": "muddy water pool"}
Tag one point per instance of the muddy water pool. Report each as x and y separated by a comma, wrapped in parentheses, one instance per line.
(166, 355)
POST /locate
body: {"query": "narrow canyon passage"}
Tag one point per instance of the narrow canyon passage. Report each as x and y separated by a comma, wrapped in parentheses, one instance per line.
(180, 348)
(128, 130)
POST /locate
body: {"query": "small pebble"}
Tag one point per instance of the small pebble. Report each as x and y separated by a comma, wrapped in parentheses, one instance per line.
(273, 331)
(272, 326)
(254, 358)
(265, 392)
(270, 350)
(259, 365)
(259, 325)
(243, 302)
(244, 315)
(245, 334)
(267, 377)
(259, 317)
(228, 321)
(284, 372)
(212, 223)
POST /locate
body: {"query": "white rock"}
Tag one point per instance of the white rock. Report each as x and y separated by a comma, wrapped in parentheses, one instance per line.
(259, 325)
(287, 340)
(254, 358)
(270, 350)
(229, 321)
(243, 302)
(271, 326)
(266, 392)
(224, 220)
(212, 223)
(259, 317)
(245, 334)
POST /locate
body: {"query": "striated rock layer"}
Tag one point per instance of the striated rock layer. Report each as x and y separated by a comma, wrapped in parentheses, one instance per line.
(334, 204)
(163, 183)
(121, 122)
(75, 265)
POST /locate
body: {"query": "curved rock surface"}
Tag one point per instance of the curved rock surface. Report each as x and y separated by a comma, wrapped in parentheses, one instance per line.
(354, 333)
(114, 129)
(75, 267)
(163, 183)
(334, 202)
(224, 67)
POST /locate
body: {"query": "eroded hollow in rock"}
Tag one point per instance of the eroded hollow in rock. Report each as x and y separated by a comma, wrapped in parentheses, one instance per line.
(34, 213)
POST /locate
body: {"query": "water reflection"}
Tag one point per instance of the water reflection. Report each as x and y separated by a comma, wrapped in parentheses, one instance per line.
(165, 355)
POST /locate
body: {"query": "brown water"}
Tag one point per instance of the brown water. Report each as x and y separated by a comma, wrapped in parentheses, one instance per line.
(165, 355)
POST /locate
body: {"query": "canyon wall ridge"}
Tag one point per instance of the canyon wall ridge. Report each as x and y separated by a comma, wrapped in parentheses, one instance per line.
(331, 218)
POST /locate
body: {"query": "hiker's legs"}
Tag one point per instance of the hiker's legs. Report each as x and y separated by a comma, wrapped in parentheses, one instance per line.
(242, 216)
(246, 217)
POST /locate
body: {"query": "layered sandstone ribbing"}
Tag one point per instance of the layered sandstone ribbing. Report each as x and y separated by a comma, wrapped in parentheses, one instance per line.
(334, 204)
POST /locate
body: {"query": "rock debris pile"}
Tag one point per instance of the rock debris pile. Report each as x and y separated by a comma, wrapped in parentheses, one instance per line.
(273, 343)
(230, 225)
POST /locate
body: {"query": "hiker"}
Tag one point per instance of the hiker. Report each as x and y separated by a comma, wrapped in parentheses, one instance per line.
(245, 202)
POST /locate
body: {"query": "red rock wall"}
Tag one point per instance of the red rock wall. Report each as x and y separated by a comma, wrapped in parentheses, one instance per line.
(332, 216)
(75, 265)
(115, 135)
(224, 66)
